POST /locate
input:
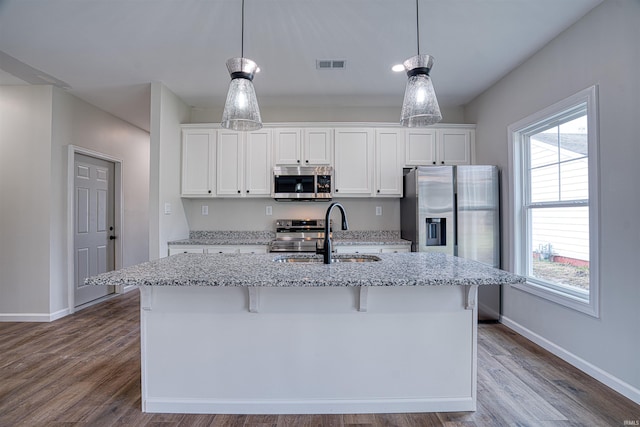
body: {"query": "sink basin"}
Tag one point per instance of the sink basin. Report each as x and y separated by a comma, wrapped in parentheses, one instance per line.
(334, 258)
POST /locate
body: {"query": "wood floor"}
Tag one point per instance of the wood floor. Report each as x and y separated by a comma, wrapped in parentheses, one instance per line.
(84, 369)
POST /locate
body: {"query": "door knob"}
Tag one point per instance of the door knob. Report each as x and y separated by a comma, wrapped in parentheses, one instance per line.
(112, 237)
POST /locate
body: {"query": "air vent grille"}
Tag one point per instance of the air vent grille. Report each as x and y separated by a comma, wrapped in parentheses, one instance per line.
(331, 64)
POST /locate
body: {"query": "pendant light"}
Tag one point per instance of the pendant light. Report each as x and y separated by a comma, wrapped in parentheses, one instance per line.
(420, 107)
(241, 111)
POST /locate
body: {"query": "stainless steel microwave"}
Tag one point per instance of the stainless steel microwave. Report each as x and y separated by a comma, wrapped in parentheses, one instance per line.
(302, 183)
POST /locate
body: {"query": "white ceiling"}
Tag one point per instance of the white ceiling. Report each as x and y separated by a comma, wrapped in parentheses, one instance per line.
(108, 51)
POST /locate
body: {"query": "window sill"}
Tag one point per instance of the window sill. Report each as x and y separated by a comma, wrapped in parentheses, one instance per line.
(586, 306)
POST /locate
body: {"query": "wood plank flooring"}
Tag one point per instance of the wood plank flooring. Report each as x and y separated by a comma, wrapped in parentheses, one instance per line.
(84, 370)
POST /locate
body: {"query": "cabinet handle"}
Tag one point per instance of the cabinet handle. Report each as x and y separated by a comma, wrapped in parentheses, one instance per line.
(298, 161)
(306, 161)
(209, 191)
(442, 162)
(247, 191)
(337, 190)
(434, 163)
(238, 191)
(378, 191)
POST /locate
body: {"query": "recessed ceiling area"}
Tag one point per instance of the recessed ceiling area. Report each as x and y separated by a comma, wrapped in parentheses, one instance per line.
(108, 51)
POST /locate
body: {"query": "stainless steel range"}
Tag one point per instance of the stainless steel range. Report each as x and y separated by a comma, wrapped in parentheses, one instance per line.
(298, 235)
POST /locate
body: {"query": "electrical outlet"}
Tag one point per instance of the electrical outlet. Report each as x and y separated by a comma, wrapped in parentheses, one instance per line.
(268, 210)
(167, 208)
(378, 210)
(205, 210)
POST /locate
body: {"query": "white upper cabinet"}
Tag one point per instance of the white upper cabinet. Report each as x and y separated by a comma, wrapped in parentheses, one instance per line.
(389, 159)
(420, 147)
(433, 146)
(317, 146)
(455, 146)
(353, 165)
(302, 147)
(243, 163)
(229, 165)
(198, 162)
(367, 160)
(258, 168)
(287, 145)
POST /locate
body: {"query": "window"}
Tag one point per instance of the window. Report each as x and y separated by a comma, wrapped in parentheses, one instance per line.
(554, 213)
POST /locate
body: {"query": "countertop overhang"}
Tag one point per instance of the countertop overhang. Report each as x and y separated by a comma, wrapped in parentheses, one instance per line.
(251, 270)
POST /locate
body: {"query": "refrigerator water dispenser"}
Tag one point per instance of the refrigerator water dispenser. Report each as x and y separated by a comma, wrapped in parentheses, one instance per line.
(436, 232)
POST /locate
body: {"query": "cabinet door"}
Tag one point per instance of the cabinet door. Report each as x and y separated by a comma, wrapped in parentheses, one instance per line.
(317, 145)
(389, 161)
(287, 147)
(395, 249)
(222, 249)
(420, 147)
(454, 147)
(257, 171)
(185, 250)
(198, 160)
(353, 170)
(229, 163)
(358, 249)
(253, 249)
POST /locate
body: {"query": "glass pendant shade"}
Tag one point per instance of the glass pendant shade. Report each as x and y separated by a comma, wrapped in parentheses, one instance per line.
(420, 107)
(241, 111)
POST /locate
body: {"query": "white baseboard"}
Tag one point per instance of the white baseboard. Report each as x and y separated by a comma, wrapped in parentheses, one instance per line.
(33, 317)
(308, 406)
(599, 374)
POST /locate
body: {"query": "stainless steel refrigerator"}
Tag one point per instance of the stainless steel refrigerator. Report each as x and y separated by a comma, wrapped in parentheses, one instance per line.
(455, 210)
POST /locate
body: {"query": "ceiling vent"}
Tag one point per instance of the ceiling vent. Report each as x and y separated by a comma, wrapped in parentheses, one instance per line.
(331, 64)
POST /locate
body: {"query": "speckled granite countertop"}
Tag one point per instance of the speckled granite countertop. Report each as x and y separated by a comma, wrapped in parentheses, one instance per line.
(406, 269)
(227, 238)
(340, 238)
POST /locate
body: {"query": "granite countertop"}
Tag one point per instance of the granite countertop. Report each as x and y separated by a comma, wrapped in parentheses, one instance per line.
(226, 238)
(405, 269)
(340, 238)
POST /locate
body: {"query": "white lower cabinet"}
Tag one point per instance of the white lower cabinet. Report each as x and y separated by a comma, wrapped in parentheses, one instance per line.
(218, 249)
(187, 249)
(245, 249)
(372, 249)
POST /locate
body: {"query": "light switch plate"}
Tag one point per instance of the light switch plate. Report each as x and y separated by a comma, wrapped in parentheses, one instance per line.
(205, 210)
(167, 208)
(378, 210)
(268, 210)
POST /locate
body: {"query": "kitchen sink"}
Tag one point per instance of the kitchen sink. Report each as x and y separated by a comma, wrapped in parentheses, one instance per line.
(334, 258)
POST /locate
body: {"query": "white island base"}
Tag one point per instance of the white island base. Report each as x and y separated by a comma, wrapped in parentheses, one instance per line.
(308, 350)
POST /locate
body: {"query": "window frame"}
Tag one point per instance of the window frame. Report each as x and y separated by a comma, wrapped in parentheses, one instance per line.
(582, 301)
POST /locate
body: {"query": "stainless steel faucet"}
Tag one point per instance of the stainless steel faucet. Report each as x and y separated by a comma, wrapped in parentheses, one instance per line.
(326, 247)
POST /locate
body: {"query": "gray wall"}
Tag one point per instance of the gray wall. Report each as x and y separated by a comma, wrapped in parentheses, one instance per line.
(36, 125)
(167, 113)
(25, 174)
(325, 114)
(249, 214)
(602, 48)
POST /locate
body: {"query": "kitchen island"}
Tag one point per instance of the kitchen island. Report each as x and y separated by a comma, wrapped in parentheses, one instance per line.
(235, 333)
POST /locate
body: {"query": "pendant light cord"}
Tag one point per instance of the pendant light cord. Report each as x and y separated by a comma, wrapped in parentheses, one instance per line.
(242, 37)
(417, 26)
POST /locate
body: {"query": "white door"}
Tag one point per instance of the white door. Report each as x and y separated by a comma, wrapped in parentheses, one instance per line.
(94, 250)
